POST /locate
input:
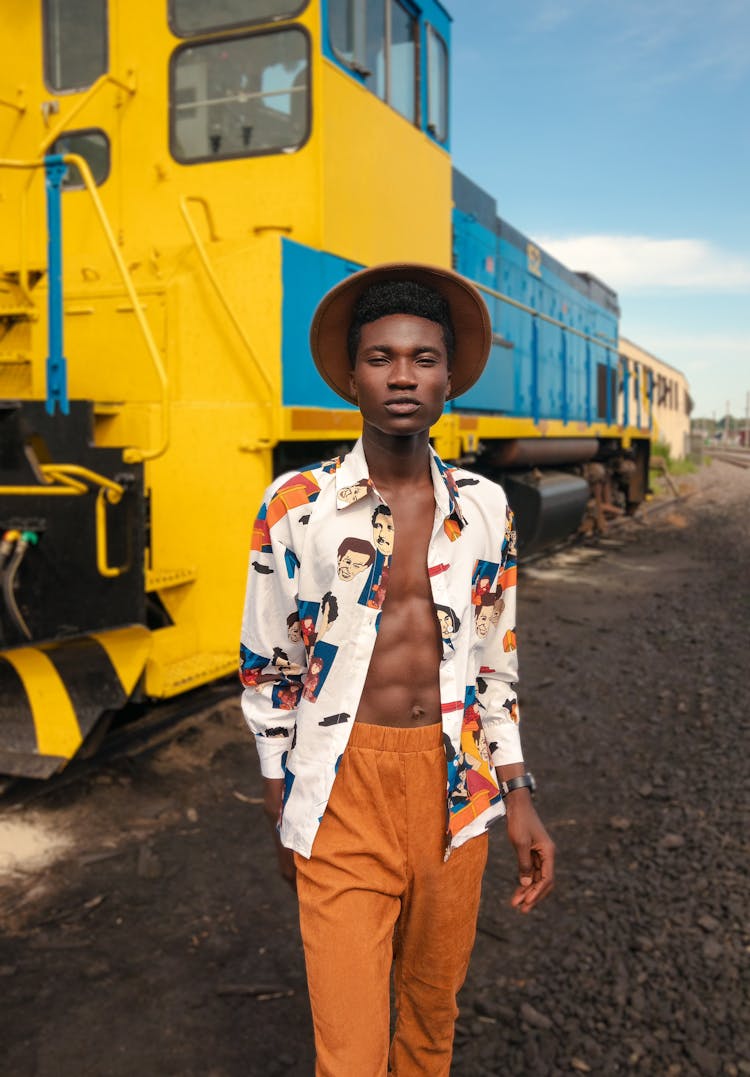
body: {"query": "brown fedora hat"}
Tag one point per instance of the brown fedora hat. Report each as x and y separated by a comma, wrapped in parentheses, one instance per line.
(329, 331)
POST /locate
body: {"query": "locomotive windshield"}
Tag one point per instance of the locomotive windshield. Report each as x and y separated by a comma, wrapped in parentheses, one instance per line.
(196, 16)
(377, 40)
(75, 43)
(239, 97)
(437, 85)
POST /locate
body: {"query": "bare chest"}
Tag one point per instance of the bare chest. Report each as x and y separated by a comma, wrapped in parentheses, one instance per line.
(413, 521)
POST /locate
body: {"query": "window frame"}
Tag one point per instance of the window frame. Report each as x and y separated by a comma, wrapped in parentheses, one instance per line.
(218, 40)
(46, 53)
(356, 65)
(432, 33)
(85, 131)
(268, 20)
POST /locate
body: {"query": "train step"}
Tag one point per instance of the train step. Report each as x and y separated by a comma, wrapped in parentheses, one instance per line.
(165, 578)
(172, 678)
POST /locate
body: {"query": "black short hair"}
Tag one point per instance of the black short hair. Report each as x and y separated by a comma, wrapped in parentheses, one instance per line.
(400, 297)
(381, 510)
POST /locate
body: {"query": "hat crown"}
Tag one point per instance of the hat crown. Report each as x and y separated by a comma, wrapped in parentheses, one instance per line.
(472, 329)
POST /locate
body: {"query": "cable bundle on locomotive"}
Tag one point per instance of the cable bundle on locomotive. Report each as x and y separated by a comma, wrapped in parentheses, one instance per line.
(180, 184)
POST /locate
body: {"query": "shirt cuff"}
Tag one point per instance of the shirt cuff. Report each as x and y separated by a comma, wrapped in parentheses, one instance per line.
(506, 740)
(272, 755)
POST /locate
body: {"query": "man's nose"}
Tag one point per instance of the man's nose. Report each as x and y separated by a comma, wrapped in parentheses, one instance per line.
(401, 372)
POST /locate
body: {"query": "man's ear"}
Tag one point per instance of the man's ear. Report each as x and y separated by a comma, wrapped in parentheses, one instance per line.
(352, 384)
(449, 385)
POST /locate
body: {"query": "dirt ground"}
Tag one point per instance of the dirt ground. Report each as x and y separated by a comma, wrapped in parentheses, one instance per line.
(146, 932)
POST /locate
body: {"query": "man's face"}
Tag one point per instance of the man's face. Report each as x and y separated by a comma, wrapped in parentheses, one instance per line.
(350, 494)
(497, 611)
(383, 533)
(483, 621)
(350, 564)
(400, 376)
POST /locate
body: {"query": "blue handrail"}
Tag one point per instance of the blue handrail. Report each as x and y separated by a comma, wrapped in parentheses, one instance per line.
(57, 372)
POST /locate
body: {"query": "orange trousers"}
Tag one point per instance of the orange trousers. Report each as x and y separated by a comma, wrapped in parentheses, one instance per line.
(377, 896)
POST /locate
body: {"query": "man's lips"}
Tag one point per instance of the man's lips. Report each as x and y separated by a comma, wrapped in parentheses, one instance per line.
(402, 406)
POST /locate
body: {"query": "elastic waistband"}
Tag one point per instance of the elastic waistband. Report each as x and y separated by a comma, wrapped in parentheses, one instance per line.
(389, 738)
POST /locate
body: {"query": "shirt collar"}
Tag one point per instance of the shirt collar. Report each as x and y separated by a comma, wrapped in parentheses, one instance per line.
(353, 482)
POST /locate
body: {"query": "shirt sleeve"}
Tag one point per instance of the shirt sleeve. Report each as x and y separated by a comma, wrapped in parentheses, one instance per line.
(272, 654)
(498, 669)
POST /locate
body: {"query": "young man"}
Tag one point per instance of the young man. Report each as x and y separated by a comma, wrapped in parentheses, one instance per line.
(404, 745)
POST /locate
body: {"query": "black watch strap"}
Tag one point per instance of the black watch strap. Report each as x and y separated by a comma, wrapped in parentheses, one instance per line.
(523, 781)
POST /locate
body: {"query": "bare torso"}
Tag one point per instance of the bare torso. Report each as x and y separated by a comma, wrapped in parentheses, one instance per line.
(402, 686)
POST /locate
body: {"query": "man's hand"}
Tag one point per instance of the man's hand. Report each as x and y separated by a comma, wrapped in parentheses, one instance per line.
(534, 848)
(273, 794)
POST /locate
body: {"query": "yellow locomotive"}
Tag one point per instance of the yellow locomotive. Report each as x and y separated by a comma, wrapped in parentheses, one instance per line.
(179, 183)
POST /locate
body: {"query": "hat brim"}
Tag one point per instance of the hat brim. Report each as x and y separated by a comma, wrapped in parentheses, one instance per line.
(329, 331)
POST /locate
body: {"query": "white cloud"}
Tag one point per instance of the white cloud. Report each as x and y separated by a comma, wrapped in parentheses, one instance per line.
(639, 263)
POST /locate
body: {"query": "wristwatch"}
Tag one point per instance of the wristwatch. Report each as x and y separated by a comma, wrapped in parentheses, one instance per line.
(523, 781)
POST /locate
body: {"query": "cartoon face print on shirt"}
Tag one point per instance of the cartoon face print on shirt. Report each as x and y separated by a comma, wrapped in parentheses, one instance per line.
(318, 669)
(349, 495)
(285, 697)
(376, 585)
(293, 631)
(354, 556)
(383, 533)
(281, 662)
(251, 666)
(482, 579)
(308, 615)
(449, 623)
(487, 613)
(329, 611)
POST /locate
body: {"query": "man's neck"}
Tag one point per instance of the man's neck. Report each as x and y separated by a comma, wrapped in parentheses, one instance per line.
(395, 462)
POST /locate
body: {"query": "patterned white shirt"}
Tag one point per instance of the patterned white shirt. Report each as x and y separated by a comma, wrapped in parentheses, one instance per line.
(317, 580)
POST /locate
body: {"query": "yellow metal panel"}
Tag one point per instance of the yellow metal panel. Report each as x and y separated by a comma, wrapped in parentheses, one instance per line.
(55, 724)
(301, 424)
(386, 186)
(127, 649)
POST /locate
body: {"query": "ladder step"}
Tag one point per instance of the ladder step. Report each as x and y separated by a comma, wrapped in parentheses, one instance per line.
(164, 578)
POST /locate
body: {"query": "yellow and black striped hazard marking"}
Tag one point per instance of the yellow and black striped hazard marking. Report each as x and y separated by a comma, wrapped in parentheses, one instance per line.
(52, 695)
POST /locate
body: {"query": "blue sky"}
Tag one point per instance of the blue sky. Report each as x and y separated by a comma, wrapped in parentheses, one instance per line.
(617, 136)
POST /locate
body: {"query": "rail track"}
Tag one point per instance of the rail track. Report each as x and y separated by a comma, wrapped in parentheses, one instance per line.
(738, 457)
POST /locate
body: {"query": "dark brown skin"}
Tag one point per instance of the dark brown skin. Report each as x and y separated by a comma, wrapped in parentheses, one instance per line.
(401, 380)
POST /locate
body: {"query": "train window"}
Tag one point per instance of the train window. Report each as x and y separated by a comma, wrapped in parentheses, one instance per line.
(377, 40)
(75, 43)
(437, 86)
(606, 391)
(402, 91)
(240, 97)
(188, 17)
(93, 145)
